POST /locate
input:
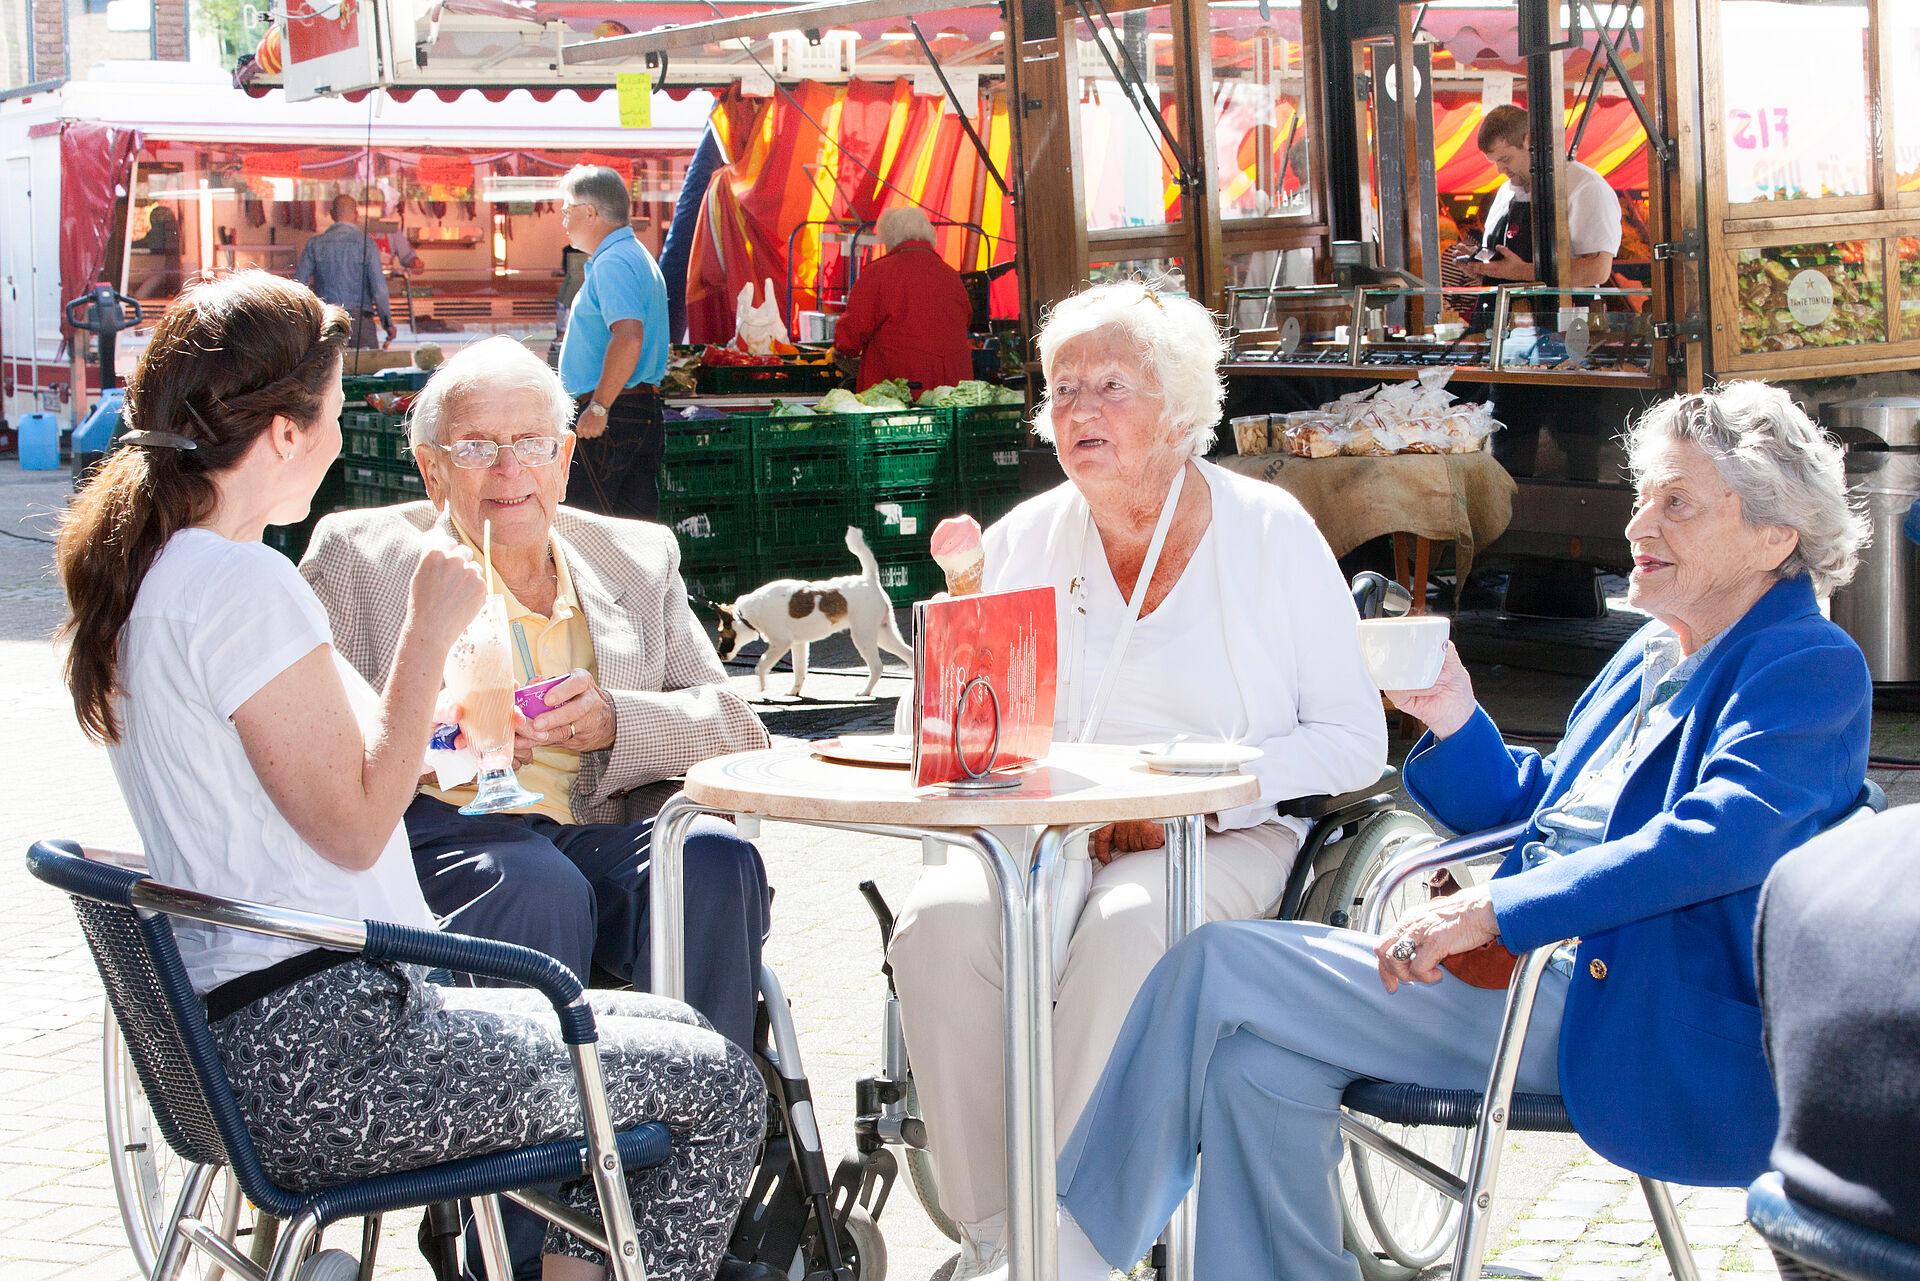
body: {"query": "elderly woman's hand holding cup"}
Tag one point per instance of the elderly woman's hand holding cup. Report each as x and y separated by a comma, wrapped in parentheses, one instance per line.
(1445, 705)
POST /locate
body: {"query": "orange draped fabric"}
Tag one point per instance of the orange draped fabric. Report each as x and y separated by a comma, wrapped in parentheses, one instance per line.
(819, 153)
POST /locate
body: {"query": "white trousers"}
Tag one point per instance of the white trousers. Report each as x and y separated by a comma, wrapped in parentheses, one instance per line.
(948, 973)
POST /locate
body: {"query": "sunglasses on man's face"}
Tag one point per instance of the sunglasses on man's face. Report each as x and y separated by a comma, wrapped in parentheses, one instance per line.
(476, 455)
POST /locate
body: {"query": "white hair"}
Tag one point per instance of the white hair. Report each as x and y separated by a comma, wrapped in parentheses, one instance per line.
(1784, 469)
(601, 187)
(902, 223)
(1179, 346)
(485, 369)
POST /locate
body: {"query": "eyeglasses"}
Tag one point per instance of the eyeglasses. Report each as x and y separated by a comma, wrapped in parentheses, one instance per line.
(567, 209)
(477, 455)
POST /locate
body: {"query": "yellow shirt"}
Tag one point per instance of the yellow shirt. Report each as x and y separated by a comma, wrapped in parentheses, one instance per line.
(543, 647)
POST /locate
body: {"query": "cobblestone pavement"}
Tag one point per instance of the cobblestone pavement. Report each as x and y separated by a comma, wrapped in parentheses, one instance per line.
(1560, 1214)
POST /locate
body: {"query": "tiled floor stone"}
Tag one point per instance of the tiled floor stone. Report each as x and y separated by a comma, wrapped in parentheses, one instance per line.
(1560, 1212)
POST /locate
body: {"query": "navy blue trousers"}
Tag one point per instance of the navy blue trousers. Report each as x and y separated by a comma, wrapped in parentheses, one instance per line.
(578, 892)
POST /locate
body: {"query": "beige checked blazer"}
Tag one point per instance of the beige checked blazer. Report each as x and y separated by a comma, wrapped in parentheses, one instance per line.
(671, 704)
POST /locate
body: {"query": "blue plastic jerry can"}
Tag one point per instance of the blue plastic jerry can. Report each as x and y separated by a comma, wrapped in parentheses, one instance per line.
(95, 434)
(40, 442)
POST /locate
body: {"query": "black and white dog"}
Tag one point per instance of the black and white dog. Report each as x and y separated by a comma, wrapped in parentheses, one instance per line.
(790, 615)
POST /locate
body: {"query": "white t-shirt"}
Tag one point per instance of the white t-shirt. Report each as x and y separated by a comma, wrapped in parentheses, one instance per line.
(1593, 210)
(214, 622)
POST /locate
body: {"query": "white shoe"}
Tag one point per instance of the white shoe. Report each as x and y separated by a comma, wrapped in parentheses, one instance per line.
(1079, 1261)
(983, 1250)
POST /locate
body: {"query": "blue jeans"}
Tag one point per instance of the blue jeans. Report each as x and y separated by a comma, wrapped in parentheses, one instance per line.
(578, 892)
(1240, 1044)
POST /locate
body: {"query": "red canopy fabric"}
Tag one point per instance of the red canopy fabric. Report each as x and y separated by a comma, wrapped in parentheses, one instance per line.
(1615, 145)
(817, 153)
(95, 164)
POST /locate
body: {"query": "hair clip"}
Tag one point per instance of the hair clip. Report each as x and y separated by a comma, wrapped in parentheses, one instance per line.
(158, 440)
(195, 415)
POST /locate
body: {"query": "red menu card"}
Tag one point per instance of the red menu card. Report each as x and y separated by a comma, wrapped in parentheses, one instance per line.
(1010, 639)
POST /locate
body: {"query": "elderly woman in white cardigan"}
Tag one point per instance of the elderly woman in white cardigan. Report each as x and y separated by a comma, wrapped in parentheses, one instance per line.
(1245, 633)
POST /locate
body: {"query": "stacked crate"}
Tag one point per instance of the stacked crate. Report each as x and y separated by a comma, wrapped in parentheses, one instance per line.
(706, 498)
(375, 467)
(904, 467)
(754, 497)
(987, 444)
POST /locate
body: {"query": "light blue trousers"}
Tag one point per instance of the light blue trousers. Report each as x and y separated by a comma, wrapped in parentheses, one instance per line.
(1239, 1046)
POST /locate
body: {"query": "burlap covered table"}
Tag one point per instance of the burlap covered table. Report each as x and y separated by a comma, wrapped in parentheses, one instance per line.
(1464, 499)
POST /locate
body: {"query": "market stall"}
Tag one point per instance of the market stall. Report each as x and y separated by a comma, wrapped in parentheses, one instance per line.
(143, 182)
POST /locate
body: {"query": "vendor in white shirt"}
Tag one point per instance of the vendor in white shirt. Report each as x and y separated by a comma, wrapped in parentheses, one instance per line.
(1593, 210)
(1245, 633)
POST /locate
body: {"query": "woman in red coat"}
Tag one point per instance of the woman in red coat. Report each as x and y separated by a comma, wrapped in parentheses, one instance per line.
(907, 314)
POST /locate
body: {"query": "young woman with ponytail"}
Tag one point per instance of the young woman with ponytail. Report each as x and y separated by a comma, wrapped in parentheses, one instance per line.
(258, 765)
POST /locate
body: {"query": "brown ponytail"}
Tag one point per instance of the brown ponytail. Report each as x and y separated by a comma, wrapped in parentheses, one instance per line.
(234, 352)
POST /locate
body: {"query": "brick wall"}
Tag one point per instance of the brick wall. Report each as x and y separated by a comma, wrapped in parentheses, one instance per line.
(49, 39)
(170, 30)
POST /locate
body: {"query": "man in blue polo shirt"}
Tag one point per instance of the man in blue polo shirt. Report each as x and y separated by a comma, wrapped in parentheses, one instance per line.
(615, 350)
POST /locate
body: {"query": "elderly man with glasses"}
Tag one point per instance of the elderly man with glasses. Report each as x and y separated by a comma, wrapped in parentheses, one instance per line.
(596, 600)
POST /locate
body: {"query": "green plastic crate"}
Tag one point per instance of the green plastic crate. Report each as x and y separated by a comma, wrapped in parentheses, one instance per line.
(909, 580)
(711, 528)
(709, 457)
(788, 524)
(894, 520)
(719, 584)
(920, 425)
(988, 503)
(798, 455)
(405, 486)
(987, 443)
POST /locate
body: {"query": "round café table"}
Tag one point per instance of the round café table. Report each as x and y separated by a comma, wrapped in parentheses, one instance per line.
(1078, 787)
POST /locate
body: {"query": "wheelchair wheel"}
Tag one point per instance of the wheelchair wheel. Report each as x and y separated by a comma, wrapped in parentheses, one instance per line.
(148, 1175)
(926, 1186)
(1394, 1224)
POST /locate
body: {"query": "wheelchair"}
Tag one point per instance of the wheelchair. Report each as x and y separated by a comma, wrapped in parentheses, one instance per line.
(1446, 1203)
(1392, 1223)
(786, 1225)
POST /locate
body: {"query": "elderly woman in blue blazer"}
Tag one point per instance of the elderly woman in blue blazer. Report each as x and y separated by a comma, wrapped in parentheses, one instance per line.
(1728, 731)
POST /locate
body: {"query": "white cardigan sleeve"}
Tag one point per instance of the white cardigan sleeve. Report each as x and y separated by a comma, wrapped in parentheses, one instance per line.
(1294, 640)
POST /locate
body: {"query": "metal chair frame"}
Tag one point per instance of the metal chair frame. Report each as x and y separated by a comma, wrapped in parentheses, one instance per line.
(126, 918)
(1813, 1245)
(1498, 1108)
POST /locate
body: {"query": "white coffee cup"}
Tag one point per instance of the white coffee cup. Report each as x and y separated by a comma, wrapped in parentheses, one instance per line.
(1404, 653)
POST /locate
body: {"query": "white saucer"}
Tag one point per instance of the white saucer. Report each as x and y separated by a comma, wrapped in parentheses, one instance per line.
(1198, 758)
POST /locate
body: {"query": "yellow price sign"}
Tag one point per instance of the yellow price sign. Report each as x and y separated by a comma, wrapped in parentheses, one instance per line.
(636, 99)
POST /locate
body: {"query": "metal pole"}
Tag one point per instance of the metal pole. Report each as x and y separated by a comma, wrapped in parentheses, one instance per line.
(1186, 912)
(1021, 1028)
(1043, 884)
(1673, 1238)
(667, 897)
(173, 1247)
(1484, 1164)
(609, 1180)
(496, 1260)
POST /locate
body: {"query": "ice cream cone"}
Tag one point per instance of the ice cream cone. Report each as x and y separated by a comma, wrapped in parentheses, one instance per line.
(965, 581)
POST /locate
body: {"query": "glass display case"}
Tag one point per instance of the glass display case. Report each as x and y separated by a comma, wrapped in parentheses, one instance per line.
(1513, 333)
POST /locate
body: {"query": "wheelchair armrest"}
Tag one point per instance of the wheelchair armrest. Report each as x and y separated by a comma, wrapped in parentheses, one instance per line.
(1428, 854)
(1315, 808)
(382, 940)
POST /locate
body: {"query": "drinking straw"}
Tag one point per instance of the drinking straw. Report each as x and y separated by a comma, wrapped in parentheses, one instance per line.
(486, 553)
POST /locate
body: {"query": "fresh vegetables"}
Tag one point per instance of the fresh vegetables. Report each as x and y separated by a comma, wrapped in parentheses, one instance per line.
(427, 355)
(890, 393)
(788, 409)
(842, 401)
(971, 392)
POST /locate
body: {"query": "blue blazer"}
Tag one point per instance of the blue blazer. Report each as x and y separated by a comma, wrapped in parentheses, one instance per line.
(1660, 1055)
